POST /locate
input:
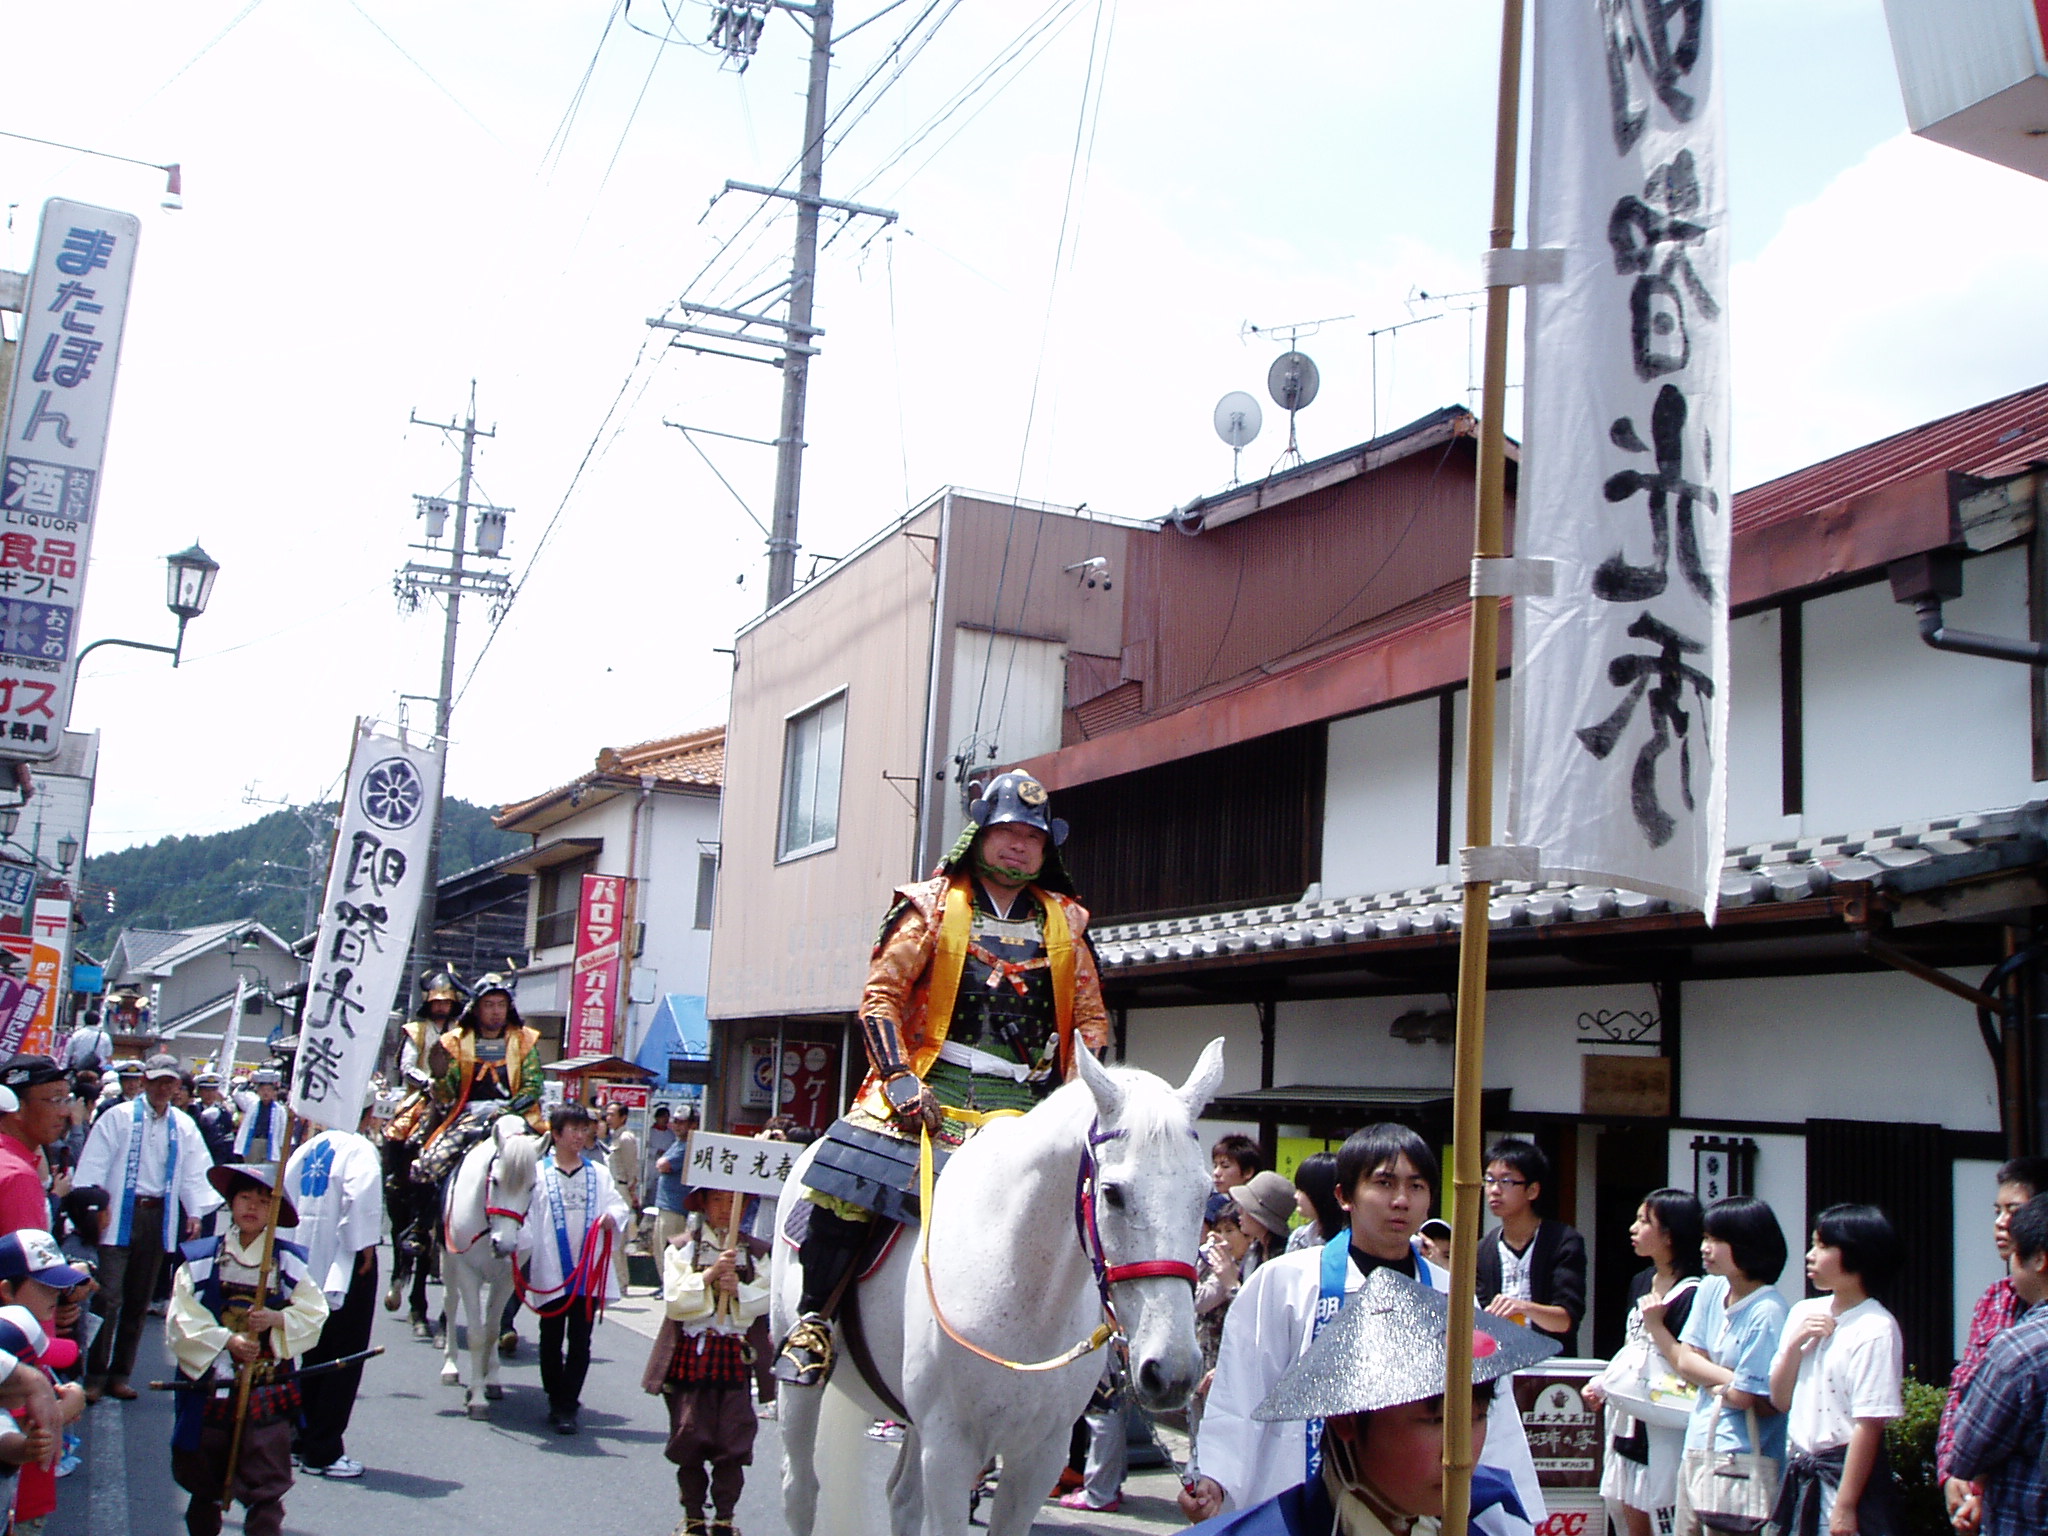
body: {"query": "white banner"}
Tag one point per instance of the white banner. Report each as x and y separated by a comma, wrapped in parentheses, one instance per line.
(739, 1162)
(231, 1037)
(374, 885)
(56, 437)
(1621, 674)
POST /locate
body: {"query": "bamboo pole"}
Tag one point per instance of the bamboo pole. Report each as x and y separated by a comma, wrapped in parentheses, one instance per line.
(1489, 539)
(245, 1375)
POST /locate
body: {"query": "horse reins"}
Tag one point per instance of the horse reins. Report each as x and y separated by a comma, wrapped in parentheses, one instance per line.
(1090, 1235)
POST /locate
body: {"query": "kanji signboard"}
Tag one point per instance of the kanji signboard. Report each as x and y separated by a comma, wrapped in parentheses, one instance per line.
(739, 1162)
(374, 884)
(600, 949)
(1621, 669)
(50, 458)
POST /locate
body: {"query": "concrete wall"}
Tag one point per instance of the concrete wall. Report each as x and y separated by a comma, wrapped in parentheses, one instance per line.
(793, 936)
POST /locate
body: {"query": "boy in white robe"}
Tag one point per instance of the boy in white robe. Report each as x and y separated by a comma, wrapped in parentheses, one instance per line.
(336, 1180)
(1386, 1179)
(565, 1257)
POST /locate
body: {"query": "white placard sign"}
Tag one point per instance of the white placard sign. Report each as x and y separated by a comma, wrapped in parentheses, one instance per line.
(739, 1162)
(1621, 672)
(56, 438)
(374, 884)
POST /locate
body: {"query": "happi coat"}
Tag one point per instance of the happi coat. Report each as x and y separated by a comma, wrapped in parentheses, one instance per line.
(262, 1124)
(336, 1182)
(1269, 1328)
(113, 1161)
(566, 1222)
(1307, 1509)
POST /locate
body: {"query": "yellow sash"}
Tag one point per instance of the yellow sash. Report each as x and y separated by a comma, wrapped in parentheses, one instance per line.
(949, 961)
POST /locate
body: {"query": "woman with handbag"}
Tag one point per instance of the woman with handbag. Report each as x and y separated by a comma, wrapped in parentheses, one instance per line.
(1728, 1480)
(1648, 1403)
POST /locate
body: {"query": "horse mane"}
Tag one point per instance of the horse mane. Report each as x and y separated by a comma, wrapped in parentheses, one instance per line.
(519, 1161)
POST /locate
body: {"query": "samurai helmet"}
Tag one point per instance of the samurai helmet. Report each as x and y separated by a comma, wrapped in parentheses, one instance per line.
(1016, 796)
(504, 986)
(442, 986)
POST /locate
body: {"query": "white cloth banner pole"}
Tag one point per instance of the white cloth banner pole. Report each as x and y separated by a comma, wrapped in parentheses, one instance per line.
(231, 1035)
(1621, 670)
(374, 886)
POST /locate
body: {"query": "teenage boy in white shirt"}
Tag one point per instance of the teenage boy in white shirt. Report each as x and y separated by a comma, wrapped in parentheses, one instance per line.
(1837, 1380)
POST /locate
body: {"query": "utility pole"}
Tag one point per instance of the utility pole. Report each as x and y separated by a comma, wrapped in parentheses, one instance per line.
(803, 273)
(736, 28)
(415, 582)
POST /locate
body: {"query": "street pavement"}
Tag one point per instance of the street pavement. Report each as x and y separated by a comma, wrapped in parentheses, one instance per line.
(432, 1470)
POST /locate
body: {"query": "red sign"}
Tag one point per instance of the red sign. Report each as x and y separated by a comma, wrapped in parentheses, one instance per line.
(810, 1083)
(631, 1095)
(51, 929)
(600, 949)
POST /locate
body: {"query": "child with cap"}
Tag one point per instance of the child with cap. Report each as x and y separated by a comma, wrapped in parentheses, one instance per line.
(35, 1279)
(1370, 1389)
(218, 1323)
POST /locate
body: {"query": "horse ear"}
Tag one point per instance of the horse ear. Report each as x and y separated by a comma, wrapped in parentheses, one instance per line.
(1203, 1082)
(1109, 1098)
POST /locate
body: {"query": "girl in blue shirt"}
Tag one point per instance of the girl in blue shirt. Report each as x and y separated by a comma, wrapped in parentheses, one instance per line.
(1731, 1338)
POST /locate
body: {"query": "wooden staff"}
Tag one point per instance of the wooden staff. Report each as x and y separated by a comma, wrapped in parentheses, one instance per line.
(1489, 541)
(723, 1304)
(245, 1373)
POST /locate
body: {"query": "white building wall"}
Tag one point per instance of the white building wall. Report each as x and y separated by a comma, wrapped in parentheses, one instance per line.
(1977, 1263)
(1780, 1184)
(1870, 1047)
(1896, 731)
(1756, 732)
(675, 831)
(1379, 799)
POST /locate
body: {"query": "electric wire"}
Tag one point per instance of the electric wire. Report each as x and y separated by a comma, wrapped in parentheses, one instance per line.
(1037, 376)
(558, 142)
(378, 26)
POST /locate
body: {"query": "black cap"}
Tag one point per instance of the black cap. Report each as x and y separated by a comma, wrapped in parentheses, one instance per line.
(31, 1072)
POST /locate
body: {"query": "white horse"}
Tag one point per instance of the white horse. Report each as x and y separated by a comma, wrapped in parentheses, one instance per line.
(480, 1220)
(1020, 1271)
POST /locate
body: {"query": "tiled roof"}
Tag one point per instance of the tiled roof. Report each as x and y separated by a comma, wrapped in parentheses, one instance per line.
(1991, 441)
(1912, 857)
(695, 759)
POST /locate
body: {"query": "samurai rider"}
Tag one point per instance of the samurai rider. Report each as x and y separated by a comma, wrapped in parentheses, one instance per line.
(412, 1206)
(218, 1324)
(486, 1066)
(980, 980)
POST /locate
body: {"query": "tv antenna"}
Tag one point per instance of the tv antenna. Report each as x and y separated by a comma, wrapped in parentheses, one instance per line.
(1238, 419)
(1374, 337)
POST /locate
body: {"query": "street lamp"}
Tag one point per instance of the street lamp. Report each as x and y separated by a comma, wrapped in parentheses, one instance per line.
(67, 850)
(10, 818)
(190, 587)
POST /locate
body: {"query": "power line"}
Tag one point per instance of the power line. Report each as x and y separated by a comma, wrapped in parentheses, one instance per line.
(558, 142)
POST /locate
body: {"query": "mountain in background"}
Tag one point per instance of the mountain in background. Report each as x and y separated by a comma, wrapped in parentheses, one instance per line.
(254, 871)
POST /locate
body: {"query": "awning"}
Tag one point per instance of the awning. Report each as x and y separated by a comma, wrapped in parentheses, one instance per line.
(545, 855)
(596, 1066)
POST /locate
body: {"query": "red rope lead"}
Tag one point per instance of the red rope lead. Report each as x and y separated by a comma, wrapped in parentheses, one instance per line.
(589, 1272)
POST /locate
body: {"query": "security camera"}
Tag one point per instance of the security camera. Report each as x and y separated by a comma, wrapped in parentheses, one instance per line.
(1094, 571)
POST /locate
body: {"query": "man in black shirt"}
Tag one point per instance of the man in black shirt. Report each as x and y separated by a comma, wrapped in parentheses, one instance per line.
(1531, 1269)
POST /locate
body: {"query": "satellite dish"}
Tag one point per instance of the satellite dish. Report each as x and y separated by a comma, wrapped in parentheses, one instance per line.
(1292, 381)
(1238, 418)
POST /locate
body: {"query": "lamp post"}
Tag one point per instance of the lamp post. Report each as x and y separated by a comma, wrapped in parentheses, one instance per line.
(191, 573)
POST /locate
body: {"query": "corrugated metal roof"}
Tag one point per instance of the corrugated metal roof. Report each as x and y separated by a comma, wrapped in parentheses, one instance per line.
(1991, 441)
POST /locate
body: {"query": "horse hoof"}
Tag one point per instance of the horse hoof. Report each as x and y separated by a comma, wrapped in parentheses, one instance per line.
(508, 1345)
(450, 1376)
(493, 1392)
(479, 1411)
(392, 1298)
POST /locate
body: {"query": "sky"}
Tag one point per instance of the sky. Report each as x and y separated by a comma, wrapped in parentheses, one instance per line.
(385, 204)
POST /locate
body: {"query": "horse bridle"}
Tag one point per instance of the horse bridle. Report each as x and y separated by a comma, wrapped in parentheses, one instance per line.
(1090, 1235)
(491, 1212)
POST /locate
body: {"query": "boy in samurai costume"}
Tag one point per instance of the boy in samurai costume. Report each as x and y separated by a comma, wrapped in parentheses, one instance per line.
(414, 1211)
(486, 1066)
(980, 981)
(703, 1364)
(1371, 1392)
(217, 1324)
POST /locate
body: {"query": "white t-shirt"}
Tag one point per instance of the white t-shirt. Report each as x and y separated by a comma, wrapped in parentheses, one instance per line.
(1514, 1270)
(1852, 1374)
